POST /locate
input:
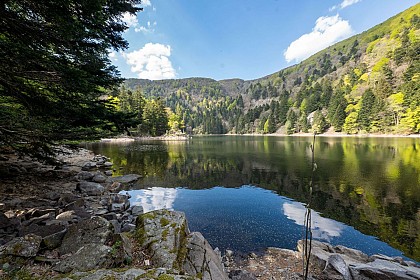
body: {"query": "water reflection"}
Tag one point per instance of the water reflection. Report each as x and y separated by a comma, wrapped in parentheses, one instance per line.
(370, 184)
(322, 228)
(154, 198)
(249, 219)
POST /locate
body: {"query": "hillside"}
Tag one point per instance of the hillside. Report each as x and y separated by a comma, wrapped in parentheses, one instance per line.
(367, 83)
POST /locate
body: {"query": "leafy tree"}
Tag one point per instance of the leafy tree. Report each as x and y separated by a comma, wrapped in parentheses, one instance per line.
(350, 124)
(319, 124)
(54, 66)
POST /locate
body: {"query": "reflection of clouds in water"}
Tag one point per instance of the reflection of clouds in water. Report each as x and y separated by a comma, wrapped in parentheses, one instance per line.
(322, 228)
(155, 198)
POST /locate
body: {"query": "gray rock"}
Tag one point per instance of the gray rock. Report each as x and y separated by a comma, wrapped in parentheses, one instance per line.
(336, 268)
(108, 164)
(90, 188)
(4, 221)
(241, 275)
(137, 210)
(89, 165)
(54, 240)
(128, 227)
(27, 246)
(126, 179)
(110, 216)
(116, 225)
(88, 257)
(96, 230)
(68, 216)
(202, 260)
(84, 176)
(118, 202)
(367, 272)
(352, 253)
(162, 233)
(99, 178)
(108, 173)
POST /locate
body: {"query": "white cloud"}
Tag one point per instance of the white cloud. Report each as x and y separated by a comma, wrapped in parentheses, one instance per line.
(113, 55)
(151, 62)
(322, 228)
(327, 31)
(130, 19)
(344, 4)
(145, 3)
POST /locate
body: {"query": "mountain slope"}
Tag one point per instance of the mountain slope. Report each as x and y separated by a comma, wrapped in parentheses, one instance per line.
(367, 83)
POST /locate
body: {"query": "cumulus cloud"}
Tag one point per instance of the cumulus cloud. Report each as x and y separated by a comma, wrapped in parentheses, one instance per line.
(327, 31)
(130, 20)
(344, 4)
(151, 62)
(149, 28)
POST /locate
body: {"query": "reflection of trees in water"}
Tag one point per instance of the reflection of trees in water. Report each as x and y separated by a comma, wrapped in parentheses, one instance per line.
(372, 185)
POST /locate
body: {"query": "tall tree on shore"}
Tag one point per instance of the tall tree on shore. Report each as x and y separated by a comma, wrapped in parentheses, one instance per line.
(54, 67)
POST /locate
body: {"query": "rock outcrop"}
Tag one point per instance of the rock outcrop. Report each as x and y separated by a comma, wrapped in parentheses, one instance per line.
(338, 262)
(166, 237)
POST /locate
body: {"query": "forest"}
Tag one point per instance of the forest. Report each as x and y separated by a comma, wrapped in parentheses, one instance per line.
(368, 83)
(63, 87)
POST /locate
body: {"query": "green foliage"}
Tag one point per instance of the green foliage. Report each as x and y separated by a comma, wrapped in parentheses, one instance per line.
(353, 83)
(319, 124)
(54, 67)
(155, 118)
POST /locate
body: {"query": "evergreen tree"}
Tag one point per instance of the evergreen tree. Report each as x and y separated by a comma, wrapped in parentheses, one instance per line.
(367, 102)
(54, 66)
(155, 118)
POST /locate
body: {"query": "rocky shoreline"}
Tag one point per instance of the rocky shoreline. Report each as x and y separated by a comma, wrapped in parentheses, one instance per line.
(71, 222)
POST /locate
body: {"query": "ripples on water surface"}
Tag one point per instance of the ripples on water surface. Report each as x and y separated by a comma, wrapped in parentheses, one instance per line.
(246, 193)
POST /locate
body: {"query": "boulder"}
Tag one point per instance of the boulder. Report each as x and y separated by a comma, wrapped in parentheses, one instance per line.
(99, 178)
(54, 240)
(336, 268)
(27, 246)
(126, 179)
(137, 210)
(87, 257)
(90, 188)
(163, 233)
(96, 230)
(89, 166)
(202, 260)
(340, 262)
(84, 176)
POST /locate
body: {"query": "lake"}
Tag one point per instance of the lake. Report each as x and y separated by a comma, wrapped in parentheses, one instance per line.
(247, 193)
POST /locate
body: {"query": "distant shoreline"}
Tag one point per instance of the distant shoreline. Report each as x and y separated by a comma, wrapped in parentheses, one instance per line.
(185, 138)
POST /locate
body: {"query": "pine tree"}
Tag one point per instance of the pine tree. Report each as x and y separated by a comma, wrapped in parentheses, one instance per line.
(54, 66)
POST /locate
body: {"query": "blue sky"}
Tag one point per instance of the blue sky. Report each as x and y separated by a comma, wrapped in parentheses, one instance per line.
(245, 39)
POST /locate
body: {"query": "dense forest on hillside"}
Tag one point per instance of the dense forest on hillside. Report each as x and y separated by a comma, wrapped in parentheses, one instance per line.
(368, 83)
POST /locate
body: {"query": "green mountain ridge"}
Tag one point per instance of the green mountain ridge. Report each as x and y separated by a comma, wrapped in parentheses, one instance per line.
(368, 83)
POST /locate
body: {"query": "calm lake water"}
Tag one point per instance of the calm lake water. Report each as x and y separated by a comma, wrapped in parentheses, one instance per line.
(247, 193)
